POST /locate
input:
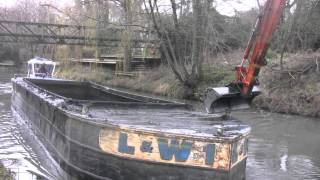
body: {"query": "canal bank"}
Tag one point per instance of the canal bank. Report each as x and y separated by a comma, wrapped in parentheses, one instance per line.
(293, 90)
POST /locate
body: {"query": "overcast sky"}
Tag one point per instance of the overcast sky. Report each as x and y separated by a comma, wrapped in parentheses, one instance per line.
(60, 3)
(225, 7)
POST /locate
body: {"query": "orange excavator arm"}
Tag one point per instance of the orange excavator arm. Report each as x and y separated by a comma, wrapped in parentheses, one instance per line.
(243, 89)
(258, 45)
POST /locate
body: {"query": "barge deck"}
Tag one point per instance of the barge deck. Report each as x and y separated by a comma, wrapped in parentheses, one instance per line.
(95, 132)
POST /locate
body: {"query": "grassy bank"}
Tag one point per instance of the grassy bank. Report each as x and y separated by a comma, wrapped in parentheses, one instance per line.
(295, 89)
(5, 174)
(159, 81)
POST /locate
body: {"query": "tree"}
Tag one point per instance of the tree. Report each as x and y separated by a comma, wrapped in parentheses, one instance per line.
(183, 54)
(102, 21)
(127, 49)
(130, 17)
(300, 28)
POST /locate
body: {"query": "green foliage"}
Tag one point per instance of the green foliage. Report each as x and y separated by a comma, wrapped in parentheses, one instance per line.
(271, 54)
(213, 77)
(218, 77)
(6, 174)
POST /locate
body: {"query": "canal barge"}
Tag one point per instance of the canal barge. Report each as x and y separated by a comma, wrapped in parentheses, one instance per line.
(96, 132)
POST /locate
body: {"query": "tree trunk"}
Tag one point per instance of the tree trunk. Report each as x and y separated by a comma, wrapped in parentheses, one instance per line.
(102, 17)
(288, 33)
(127, 5)
(200, 16)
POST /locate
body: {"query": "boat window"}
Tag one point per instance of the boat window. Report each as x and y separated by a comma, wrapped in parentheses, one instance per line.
(29, 68)
(43, 69)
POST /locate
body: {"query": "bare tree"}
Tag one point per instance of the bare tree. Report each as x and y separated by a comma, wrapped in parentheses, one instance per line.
(102, 20)
(287, 30)
(130, 9)
(174, 43)
(128, 14)
(300, 28)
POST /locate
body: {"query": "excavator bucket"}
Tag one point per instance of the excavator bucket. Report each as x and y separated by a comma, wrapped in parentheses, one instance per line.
(226, 99)
(236, 95)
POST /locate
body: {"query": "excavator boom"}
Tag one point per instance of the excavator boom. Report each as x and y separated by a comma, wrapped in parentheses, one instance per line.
(239, 94)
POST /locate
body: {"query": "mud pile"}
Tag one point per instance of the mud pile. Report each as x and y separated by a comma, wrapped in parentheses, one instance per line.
(295, 89)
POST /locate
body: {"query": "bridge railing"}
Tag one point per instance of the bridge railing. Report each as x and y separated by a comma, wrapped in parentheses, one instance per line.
(46, 33)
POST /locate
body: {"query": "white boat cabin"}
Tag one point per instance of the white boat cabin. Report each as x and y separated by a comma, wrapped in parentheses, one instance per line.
(41, 68)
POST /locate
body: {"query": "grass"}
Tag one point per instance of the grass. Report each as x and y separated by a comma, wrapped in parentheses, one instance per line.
(83, 73)
(5, 174)
(159, 81)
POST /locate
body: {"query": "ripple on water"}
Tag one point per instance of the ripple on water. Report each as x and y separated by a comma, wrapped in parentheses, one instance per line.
(282, 146)
(5, 88)
(303, 166)
(15, 153)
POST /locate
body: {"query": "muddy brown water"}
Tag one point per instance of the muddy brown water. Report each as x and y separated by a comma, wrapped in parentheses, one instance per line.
(280, 147)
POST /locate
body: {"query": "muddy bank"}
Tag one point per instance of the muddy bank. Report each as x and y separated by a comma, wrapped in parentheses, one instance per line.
(295, 89)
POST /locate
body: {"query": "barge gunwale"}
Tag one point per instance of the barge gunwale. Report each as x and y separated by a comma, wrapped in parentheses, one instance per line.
(56, 151)
(71, 116)
(108, 124)
(141, 97)
(70, 165)
(29, 81)
(134, 97)
(115, 155)
(114, 126)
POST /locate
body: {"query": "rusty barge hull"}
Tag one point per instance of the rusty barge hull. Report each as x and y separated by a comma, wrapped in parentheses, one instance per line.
(95, 132)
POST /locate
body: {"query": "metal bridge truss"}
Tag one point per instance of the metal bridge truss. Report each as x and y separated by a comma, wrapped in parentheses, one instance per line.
(45, 33)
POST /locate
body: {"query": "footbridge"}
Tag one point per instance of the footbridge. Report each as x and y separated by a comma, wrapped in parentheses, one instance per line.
(47, 33)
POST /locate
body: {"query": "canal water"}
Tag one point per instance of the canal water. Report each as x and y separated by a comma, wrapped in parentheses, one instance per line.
(281, 146)
(20, 151)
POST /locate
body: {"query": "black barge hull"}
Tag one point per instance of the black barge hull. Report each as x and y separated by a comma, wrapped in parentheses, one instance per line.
(86, 131)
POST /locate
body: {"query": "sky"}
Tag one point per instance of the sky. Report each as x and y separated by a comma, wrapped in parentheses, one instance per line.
(225, 7)
(59, 3)
(7, 3)
(228, 7)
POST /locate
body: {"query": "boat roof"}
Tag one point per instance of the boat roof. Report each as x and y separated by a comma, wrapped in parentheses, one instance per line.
(38, 60)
